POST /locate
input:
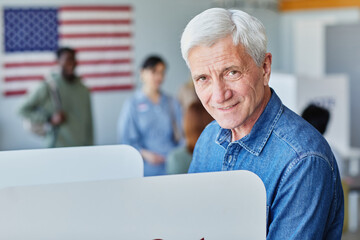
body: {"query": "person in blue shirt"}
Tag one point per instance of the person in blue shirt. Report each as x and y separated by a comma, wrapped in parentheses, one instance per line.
(150, 120)
(225, 51)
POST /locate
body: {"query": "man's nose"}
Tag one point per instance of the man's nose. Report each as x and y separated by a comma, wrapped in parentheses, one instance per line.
(220, 93)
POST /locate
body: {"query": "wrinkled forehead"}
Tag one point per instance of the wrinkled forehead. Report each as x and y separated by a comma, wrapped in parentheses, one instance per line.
(221, 50)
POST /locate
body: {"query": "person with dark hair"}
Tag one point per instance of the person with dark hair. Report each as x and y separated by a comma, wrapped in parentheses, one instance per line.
(317, 116)
(64, 50)
(150, 120)
(195, 120)
(62, 103)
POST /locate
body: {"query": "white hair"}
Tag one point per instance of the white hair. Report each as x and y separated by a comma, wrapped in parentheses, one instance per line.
(214, 24)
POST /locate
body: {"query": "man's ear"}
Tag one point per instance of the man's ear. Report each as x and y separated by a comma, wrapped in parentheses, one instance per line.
(266, 67)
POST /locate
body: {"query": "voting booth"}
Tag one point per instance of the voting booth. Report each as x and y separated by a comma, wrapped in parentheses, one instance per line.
(331, 92)
(99, 192)
(72, 164)
(209, 206)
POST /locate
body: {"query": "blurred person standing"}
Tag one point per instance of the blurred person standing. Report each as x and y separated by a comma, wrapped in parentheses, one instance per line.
(187, 94)
(62, 103)
(319, 118)
(195, 120)
(150, 120)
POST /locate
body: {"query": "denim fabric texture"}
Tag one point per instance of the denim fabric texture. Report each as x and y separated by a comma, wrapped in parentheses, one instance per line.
(304, 193)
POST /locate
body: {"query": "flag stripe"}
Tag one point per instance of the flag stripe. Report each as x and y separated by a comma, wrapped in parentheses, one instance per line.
(100, 49)
(94, 55)
(27, 71)
(28, 64)
(15, 92)
(94, 28)
(24, 78)
(96, 22)
(13, 86)
(105, 81)
(107, 61)
(94, 42)
(90, 82)
(80, 70)
(96, 35)
(112, 88)
(29, 57)
(96, 8)
(82, 55)
(87, 62)
(108, 74)
(103, 68)
(87, 75)
(92, 89)
(64, 16)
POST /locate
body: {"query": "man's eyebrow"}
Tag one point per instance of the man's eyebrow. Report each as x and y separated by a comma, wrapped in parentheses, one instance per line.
(242, 68)
(230, 67)
(196, 76)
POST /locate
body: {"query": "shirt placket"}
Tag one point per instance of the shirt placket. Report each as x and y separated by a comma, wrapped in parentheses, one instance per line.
(231, 156)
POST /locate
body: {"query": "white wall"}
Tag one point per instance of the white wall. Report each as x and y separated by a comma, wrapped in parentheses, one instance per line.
(302, 38)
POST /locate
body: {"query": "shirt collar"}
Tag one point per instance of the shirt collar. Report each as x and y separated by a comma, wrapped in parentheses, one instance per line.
(255, 141)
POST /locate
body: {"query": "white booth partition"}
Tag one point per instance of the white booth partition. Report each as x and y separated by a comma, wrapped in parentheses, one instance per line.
(209, 206)
(331, 92)
(72, 164)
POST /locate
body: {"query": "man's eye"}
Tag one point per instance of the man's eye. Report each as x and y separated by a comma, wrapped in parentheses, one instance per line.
(202, 78)
(232, 73)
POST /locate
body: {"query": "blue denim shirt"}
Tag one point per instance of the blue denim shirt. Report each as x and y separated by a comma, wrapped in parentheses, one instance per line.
(303, 187)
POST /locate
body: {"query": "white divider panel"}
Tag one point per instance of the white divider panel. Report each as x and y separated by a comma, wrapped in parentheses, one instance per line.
(73, 164)
(331, 92)
(209, 206)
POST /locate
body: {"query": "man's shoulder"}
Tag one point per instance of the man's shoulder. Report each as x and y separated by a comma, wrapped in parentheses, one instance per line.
(299, 135)
(82, 86)
(211, 131)
(39, 91)
(212, 128)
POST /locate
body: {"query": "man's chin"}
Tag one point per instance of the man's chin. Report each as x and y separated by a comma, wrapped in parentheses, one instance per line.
(226, 125)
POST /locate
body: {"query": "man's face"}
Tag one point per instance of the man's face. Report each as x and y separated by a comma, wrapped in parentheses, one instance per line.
(229, 83)
(67, 64)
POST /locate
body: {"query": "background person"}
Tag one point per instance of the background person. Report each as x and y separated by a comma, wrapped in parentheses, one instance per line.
(195, 120)
(226, 53)
(319, 118)
(150, 120)
(70, 114)
(187, 94)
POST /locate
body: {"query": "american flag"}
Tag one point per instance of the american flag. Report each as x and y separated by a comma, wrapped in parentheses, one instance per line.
(101, 36)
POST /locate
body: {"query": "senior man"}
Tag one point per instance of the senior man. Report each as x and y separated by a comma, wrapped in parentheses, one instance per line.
(226, 53)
